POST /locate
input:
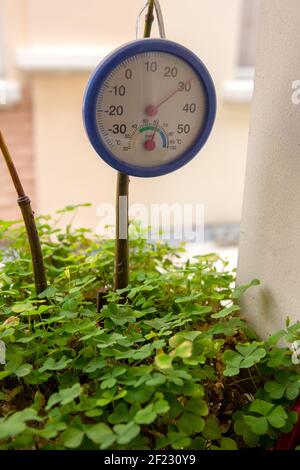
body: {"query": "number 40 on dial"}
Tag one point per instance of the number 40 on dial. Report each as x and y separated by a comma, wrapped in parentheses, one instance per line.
(149, 107)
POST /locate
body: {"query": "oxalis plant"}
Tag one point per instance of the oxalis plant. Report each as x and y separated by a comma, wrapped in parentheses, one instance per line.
(174, 366)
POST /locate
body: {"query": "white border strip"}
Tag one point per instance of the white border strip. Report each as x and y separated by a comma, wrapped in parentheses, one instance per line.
(238, 91)
(10, 93)
(60, 58)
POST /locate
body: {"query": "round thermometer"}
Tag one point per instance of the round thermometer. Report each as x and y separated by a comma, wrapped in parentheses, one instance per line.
(149, 107)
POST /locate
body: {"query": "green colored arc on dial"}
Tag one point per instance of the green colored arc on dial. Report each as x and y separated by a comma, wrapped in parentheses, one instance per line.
(159, 131)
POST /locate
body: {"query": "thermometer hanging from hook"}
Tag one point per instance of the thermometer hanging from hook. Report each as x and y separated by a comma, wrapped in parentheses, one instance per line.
(150, 106)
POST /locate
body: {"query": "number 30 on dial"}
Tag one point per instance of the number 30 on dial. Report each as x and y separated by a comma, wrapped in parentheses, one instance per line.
(149, 107)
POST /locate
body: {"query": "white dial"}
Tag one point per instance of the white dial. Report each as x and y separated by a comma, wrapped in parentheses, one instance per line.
(151, 109)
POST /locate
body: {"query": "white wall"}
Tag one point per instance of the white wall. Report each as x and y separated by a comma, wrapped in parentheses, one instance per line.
(270, 237)
(2, 69)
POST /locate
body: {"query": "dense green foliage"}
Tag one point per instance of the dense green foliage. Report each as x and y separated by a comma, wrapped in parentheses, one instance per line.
(172, 366)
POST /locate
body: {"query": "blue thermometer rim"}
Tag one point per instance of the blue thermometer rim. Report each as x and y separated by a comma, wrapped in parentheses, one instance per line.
(99, 77)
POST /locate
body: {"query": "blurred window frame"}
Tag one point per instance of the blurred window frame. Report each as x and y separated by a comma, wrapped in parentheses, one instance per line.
(249, 26)
(239, 90)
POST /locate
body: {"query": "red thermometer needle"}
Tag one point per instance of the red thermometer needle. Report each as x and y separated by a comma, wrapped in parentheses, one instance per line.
(150, 143)
(152, 110)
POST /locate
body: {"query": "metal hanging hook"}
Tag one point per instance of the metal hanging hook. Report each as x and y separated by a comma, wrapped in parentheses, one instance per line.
(160, 19)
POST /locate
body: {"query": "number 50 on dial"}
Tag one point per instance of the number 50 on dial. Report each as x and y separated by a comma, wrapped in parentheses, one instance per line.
(149, 107)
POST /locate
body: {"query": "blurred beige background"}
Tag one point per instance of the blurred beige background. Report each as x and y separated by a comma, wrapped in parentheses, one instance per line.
(47, 52)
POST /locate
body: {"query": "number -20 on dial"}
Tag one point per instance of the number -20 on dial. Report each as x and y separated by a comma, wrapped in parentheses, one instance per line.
(149, 107)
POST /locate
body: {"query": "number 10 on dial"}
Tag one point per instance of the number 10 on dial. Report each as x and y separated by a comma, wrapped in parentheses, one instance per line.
(149, 107)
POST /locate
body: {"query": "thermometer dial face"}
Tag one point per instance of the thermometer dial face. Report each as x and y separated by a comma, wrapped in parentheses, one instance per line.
(148, 112)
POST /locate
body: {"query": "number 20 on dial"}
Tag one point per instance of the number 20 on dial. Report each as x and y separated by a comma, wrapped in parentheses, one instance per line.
(149, 107)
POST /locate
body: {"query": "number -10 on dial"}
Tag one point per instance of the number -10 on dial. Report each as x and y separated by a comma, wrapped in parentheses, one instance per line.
(149, 107)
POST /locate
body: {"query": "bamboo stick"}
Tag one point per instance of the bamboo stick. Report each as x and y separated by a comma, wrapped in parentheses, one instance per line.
(29, 221)
(122, 220)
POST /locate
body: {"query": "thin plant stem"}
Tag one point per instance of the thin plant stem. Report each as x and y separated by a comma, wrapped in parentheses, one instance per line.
(149, 19)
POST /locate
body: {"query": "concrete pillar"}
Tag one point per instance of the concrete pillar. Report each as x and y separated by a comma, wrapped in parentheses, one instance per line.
(270, 233)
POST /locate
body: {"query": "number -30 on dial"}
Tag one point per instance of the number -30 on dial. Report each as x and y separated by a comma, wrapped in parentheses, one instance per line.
(149, 107)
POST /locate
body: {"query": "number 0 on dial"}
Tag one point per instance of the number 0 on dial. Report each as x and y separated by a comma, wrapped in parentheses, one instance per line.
(149, 107)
